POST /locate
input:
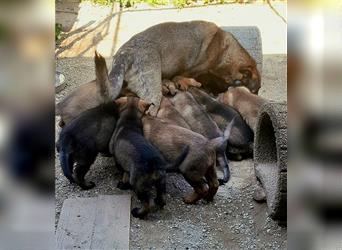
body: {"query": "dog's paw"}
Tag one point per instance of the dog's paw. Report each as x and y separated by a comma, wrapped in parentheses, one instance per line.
(259, 194)
(184, 83)
(160, 203)
(136, 213)
(191, 198)
(123, 185)
(221, 182)
(86, 185)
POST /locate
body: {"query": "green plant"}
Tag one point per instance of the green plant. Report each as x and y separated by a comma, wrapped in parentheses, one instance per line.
(101, 2)
(180, 3)
(58, 31)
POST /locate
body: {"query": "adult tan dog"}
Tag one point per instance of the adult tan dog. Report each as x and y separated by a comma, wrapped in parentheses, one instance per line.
(186, 49)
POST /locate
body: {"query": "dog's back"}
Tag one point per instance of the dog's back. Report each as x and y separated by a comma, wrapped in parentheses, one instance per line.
(168, 113)
(241, 99)
(85, 136)
(241, 138)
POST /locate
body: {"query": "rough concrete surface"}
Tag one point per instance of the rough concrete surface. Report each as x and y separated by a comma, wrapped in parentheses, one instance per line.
(233, 220)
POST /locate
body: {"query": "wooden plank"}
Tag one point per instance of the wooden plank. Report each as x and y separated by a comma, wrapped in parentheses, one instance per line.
(95, 223)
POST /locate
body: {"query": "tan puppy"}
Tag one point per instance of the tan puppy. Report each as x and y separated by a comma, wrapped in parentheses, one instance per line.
(186, 49)
(86, 96)
(241, 99)
(198, 168)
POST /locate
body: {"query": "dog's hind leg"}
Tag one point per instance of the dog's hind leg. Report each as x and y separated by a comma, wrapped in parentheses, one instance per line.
(81, 170)
(124, 182)
(200, 189)
(212, 182)
(145, 79)
(160, 185)
(145, 198)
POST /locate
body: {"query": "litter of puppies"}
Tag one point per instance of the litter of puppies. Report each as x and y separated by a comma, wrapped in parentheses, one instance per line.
(174, 126)
(193, 134)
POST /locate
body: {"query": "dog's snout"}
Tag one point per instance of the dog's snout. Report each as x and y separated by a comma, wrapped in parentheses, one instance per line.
(237, 82)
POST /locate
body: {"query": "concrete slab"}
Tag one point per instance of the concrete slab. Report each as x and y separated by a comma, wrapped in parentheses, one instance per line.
(101, 222)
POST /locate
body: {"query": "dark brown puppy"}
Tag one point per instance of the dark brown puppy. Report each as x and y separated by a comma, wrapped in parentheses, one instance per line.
(241, 99)
(168, 113)
(200, 122)
(198, 168)
(138, 157)
(83, 138)
(240, 142)
(186, 49)
(86, 96)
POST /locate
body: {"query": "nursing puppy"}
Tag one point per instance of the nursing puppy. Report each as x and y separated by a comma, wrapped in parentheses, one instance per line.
(168, 113)
(86, 96)
(241, 99)
(136, 156)
(186, 49)
(83, 138)
(240, 142)
(200, 122)
(199, 166)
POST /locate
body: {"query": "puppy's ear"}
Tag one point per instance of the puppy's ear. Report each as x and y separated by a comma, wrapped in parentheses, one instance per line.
(121, 101)
(143, 106)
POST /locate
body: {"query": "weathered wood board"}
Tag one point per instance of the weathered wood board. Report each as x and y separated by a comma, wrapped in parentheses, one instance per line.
(101, 222)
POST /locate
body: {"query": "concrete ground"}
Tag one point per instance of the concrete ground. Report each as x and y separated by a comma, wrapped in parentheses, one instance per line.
(233, 220)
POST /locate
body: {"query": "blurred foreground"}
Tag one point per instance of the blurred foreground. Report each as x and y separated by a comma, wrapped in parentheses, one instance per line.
(27, 124)
(315, 122)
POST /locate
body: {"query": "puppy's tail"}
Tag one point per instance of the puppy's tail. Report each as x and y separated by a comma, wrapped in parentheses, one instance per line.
(180, 159)
(219, 142)
(67, 162)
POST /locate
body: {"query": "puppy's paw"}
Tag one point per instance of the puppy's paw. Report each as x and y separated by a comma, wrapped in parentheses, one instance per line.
(160, 203)
(123, 185)
(191, 198)
(136, 213)
(86, 185)
(221, 182)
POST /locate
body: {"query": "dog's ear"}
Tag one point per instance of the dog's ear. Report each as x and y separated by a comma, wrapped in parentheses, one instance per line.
(143, 106)
(121, 101)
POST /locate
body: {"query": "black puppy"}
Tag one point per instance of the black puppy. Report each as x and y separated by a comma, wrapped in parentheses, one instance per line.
(240, 142)
(83, 138)
(138, 157)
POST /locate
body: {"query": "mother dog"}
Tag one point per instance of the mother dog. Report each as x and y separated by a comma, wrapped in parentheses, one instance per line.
(187, 49)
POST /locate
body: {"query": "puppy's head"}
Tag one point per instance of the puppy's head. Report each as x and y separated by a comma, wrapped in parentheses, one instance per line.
(232, 94)
(132, 104)
(235, 66)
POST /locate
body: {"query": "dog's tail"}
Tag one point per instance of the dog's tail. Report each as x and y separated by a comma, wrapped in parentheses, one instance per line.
(116, 76)
(66, 161)
(102, 79)
(220, 144)
(179, 160)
